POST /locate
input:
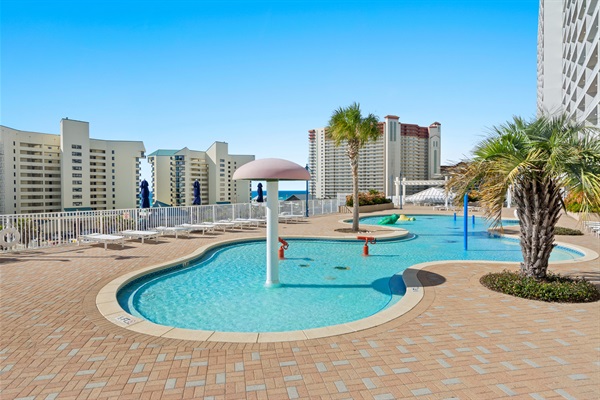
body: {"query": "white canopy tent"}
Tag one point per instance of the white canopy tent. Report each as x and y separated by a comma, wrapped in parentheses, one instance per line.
(432, 195)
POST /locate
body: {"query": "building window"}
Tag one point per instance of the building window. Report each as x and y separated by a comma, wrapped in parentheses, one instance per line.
(77, 196)
(76, 154)
(77, 203)
(76, 182)
(76, 146)
(74, 189)
(76, 168)
(76, 175)
(76, 161)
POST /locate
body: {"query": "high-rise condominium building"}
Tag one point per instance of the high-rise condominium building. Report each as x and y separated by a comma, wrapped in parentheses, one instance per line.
(42, 172)
(175, 171)
(567, 63)
(402, 151)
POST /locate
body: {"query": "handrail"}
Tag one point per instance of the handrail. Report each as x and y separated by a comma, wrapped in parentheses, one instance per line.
(62, 228)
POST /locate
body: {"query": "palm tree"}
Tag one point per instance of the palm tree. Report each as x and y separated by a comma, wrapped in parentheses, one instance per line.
(347, 125)
(539, 160)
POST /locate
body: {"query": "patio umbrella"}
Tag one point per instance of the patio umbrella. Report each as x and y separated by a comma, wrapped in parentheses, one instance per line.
(259, 198)
(145, 194)
(433, 195)
(197, 199)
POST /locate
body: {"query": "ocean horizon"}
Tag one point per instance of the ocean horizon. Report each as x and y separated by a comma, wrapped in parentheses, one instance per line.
(283, 194)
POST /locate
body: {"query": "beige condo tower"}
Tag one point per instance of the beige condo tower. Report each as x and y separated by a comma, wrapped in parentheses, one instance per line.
(42, 172)
(402, 151)
(175, 171)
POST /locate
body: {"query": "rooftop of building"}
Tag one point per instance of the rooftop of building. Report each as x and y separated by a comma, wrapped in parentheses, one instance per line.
(163, 152)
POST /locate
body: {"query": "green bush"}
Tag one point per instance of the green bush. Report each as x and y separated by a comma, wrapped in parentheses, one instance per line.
(368, 198)
(559, 230)
(554, 288)
(576, 207)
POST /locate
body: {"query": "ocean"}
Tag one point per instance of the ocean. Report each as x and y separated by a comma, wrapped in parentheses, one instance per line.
(284, 194)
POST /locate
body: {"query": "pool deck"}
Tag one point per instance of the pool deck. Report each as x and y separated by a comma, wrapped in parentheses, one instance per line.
(461, 340)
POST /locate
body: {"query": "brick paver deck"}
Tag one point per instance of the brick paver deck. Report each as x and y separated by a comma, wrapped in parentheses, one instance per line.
(461, 341)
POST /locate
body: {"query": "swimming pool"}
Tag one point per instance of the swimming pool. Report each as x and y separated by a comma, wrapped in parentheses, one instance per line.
(324, 282)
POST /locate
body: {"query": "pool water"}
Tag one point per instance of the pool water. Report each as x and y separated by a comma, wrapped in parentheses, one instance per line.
(324, 282)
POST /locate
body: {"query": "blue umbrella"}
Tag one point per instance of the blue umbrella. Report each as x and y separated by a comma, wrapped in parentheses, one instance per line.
(145, 194)
(259, 198)
(197, 199)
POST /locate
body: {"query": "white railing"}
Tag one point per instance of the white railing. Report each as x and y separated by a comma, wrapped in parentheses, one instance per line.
(31, 231)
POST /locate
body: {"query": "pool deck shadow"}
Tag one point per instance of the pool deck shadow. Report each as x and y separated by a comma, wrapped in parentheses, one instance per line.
(459, 340)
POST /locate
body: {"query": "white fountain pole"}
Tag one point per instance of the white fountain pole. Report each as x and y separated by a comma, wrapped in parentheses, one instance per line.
(272, 233)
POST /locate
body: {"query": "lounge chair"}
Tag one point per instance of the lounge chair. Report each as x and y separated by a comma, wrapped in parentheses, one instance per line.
(205, 227)
(101, 238)
(226, 224)
(250, 221)
(287, 217)
(240, 222)
(593, 227)
(172, 230)
(131, 234)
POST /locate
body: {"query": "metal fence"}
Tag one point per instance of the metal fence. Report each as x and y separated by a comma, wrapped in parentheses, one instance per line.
(31, 231)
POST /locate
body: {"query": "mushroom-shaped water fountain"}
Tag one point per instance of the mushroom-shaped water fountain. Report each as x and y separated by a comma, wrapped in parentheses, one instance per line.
(272, 170)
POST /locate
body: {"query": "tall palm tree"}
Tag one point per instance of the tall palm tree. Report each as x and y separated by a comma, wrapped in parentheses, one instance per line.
(348, 126)
(539, 160)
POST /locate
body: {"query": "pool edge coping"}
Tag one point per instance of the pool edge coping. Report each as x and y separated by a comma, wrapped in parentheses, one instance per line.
(109, 308)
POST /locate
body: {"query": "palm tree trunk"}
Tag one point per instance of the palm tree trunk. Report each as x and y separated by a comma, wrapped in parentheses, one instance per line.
(353, 148)
(538, 207)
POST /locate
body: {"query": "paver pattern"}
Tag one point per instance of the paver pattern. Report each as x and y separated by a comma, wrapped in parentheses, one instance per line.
(461, 341)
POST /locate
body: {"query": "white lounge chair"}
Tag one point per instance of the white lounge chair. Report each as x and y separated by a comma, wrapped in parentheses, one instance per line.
(205, 227)
(132, 234)
(258, 221)
(172, 230)
(101, 238)
(226, 224)
(287, 217)
(241, 222)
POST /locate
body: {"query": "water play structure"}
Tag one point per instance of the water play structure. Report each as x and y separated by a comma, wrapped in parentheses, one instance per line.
(272, 170)
(392, 219)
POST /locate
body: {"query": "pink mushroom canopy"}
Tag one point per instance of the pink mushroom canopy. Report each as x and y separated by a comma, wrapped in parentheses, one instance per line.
(271, 169)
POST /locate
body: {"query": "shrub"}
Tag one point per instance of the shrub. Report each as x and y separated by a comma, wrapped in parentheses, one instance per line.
(473, 196)
(368, 198)
(573, 204)
(559, 230)
(554, 288)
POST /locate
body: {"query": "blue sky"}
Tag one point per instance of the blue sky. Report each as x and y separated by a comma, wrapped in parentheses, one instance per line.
(260, 74)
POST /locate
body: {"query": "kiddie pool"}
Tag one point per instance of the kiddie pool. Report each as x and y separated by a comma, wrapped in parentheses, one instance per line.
(324, 282)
